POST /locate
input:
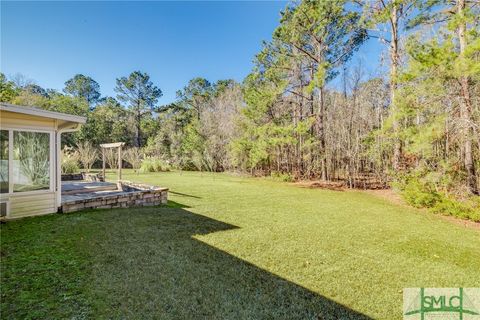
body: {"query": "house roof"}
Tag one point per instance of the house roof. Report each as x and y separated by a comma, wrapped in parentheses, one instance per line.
(35, 111)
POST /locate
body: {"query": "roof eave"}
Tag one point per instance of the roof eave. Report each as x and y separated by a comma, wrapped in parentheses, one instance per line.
(42, 113)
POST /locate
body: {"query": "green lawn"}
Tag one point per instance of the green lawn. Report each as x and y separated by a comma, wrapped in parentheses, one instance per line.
(232, 248)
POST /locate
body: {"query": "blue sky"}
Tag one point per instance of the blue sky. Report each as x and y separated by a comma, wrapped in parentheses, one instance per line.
(49, 42)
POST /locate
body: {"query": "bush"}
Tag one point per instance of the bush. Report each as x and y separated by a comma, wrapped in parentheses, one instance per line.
(152, 164)
(469, 209)
(422, 193)
(419, 195)
(285, 177)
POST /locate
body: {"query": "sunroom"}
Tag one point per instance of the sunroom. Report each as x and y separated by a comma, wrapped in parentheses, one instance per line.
(30, 172)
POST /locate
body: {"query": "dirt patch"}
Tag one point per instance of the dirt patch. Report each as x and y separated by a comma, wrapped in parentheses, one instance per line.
(361, 183)
(462, 222)
(389, 195)
(330, 185)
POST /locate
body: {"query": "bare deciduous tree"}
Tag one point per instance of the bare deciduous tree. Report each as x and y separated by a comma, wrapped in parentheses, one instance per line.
(133, 156)
(88, 154)
(111, 157)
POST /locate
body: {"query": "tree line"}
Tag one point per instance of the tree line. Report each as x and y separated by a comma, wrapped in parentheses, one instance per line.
(308, 110)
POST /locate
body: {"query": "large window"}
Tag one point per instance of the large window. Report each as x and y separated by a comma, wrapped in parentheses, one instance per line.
(31, 161)
(3, 161)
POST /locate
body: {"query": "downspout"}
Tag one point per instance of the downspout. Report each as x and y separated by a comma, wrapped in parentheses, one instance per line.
(58, 168)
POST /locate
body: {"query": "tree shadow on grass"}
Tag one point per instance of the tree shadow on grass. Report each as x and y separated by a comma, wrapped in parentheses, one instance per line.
(184, 194)
(148, 265)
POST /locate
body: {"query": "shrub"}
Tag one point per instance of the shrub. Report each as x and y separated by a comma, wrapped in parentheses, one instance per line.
(419, 195)
(469, 209)
(153, 164)
(285, 177)
(421, 192)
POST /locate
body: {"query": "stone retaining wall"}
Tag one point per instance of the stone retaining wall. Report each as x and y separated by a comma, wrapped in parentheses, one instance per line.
(129, 197)
(132, 186)
(91, 177)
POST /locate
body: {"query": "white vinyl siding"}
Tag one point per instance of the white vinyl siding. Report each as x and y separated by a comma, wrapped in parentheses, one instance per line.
(32, 204)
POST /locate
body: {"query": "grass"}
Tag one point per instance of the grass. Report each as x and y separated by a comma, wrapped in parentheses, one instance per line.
(232, 248)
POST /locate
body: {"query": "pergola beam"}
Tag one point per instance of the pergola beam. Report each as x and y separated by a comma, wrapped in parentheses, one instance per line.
(112, 145)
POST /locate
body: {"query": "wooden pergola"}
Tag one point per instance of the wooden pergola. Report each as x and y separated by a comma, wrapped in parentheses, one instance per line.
(118, 145)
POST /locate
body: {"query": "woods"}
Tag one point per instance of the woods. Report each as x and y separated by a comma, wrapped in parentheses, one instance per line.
(311, 108)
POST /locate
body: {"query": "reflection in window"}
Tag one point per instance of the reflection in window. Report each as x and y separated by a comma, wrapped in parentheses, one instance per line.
(31, 161)
(3, 161)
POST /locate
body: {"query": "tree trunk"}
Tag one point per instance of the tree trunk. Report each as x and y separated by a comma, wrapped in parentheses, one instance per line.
(138, 120)
(321, 131)
(394, 60)
(466, 107)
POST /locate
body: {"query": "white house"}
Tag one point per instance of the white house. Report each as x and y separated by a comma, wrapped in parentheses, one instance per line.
(30, 167)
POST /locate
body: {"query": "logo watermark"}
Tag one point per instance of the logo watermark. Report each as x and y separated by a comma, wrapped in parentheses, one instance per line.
(441, 303)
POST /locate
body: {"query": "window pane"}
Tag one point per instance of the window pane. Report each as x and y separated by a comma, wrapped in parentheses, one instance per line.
(3, 161)
(31, 161)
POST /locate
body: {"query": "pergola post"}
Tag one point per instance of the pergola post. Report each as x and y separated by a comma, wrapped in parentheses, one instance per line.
(118, 145)
(119, 163)
(103, 164)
